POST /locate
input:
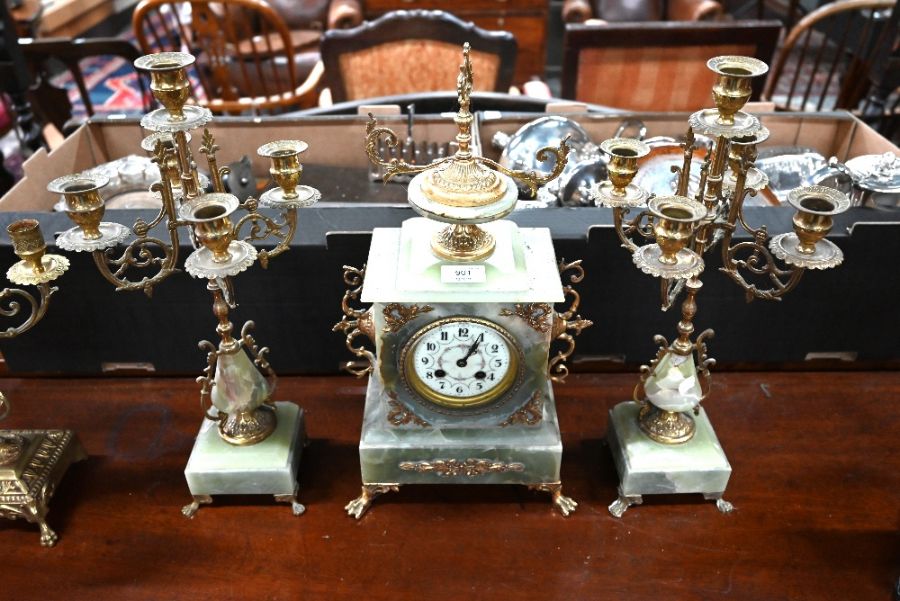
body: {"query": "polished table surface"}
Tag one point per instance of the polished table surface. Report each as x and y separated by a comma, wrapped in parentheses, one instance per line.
(816, 490)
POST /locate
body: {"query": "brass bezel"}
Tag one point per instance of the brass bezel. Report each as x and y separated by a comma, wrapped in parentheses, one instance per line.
(414, 384)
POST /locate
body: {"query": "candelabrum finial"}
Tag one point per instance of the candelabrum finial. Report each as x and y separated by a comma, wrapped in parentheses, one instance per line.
(464, 81)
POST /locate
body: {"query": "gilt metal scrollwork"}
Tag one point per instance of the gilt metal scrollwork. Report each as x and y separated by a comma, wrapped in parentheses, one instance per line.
(567, 320)
(356, 322)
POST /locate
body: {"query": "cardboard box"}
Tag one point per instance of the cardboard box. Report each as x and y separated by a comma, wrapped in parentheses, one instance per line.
(90, 329)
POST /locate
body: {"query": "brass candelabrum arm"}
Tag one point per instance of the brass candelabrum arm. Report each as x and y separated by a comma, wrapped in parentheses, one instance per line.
(640, 225)
(356, 322)
(758, 260)
(139, 254)
(262, 227)
(11, 307)
(565, 321)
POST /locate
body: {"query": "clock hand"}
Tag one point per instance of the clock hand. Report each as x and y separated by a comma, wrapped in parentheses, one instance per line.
(463, 362)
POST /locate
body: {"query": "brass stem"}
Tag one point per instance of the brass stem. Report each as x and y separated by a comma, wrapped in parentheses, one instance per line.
(220, 310)
(717, 170)
(684, 177)
(683, 344)
(190, 180)
(733, 212)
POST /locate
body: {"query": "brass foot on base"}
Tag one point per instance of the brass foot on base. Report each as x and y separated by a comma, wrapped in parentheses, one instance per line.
(358, 506)
(297, 508)
(191, 508)
(621, 505)
(721, 504)
(37, 514)
(563, 504)
(48, 536)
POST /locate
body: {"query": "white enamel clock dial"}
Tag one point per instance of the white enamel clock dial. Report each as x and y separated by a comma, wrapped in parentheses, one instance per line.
(460, 362)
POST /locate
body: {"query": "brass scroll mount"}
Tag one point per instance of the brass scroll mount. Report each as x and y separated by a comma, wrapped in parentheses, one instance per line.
(355, 322)
(565, 321)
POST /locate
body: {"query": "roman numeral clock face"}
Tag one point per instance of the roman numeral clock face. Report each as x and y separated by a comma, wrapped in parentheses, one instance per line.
(460, 362)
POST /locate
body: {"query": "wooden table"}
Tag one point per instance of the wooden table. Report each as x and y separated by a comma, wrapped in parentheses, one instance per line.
(816, 485)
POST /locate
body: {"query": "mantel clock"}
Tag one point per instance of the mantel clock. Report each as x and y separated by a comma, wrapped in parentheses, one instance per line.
(462, 318)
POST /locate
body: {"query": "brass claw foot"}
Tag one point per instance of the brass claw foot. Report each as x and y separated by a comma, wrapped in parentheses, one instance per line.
(358, 506)
(620, 505)
(37, 514)
(565, 505)
(48, 536)
(721, 504)
(191, 508)
(297, 508)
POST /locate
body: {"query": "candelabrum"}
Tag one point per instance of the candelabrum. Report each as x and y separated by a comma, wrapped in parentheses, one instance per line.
(32, 462)
(669, 237)
(238, 380)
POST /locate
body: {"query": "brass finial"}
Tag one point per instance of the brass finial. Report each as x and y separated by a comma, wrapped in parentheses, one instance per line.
(464, 81)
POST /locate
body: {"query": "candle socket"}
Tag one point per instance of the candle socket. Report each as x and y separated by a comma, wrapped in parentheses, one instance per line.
(813, 220)
(675, 218)
(28, 242)
(733, 88)
(286, 169)
(84, 205)
(745, 148)
(169, 81)
(209, 215)
(623, 163)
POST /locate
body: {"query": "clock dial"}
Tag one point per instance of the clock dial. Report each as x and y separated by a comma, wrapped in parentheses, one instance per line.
(460, 362)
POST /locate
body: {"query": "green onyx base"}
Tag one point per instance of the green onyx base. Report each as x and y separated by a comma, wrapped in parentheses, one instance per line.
(647, 467)
(391, 456)
(265, 468)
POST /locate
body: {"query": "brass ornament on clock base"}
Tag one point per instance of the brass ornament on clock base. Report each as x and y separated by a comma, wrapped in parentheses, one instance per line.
(461, 315)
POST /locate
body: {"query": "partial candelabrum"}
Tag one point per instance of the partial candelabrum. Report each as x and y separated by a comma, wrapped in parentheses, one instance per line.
(36, 268)
(669, 237)
(222, 238)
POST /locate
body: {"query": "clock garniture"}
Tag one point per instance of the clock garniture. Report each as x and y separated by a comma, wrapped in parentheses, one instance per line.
(256, 444)
(662, 441)
(32, 462)
(462, 320)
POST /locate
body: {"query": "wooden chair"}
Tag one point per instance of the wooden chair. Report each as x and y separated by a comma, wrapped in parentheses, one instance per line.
(246, 59)
(51, 103)
(579, 11)
(826, 60)
(656, 66)
(413, 51)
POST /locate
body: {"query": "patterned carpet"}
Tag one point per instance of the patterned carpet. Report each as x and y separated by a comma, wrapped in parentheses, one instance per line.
(111, 82)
